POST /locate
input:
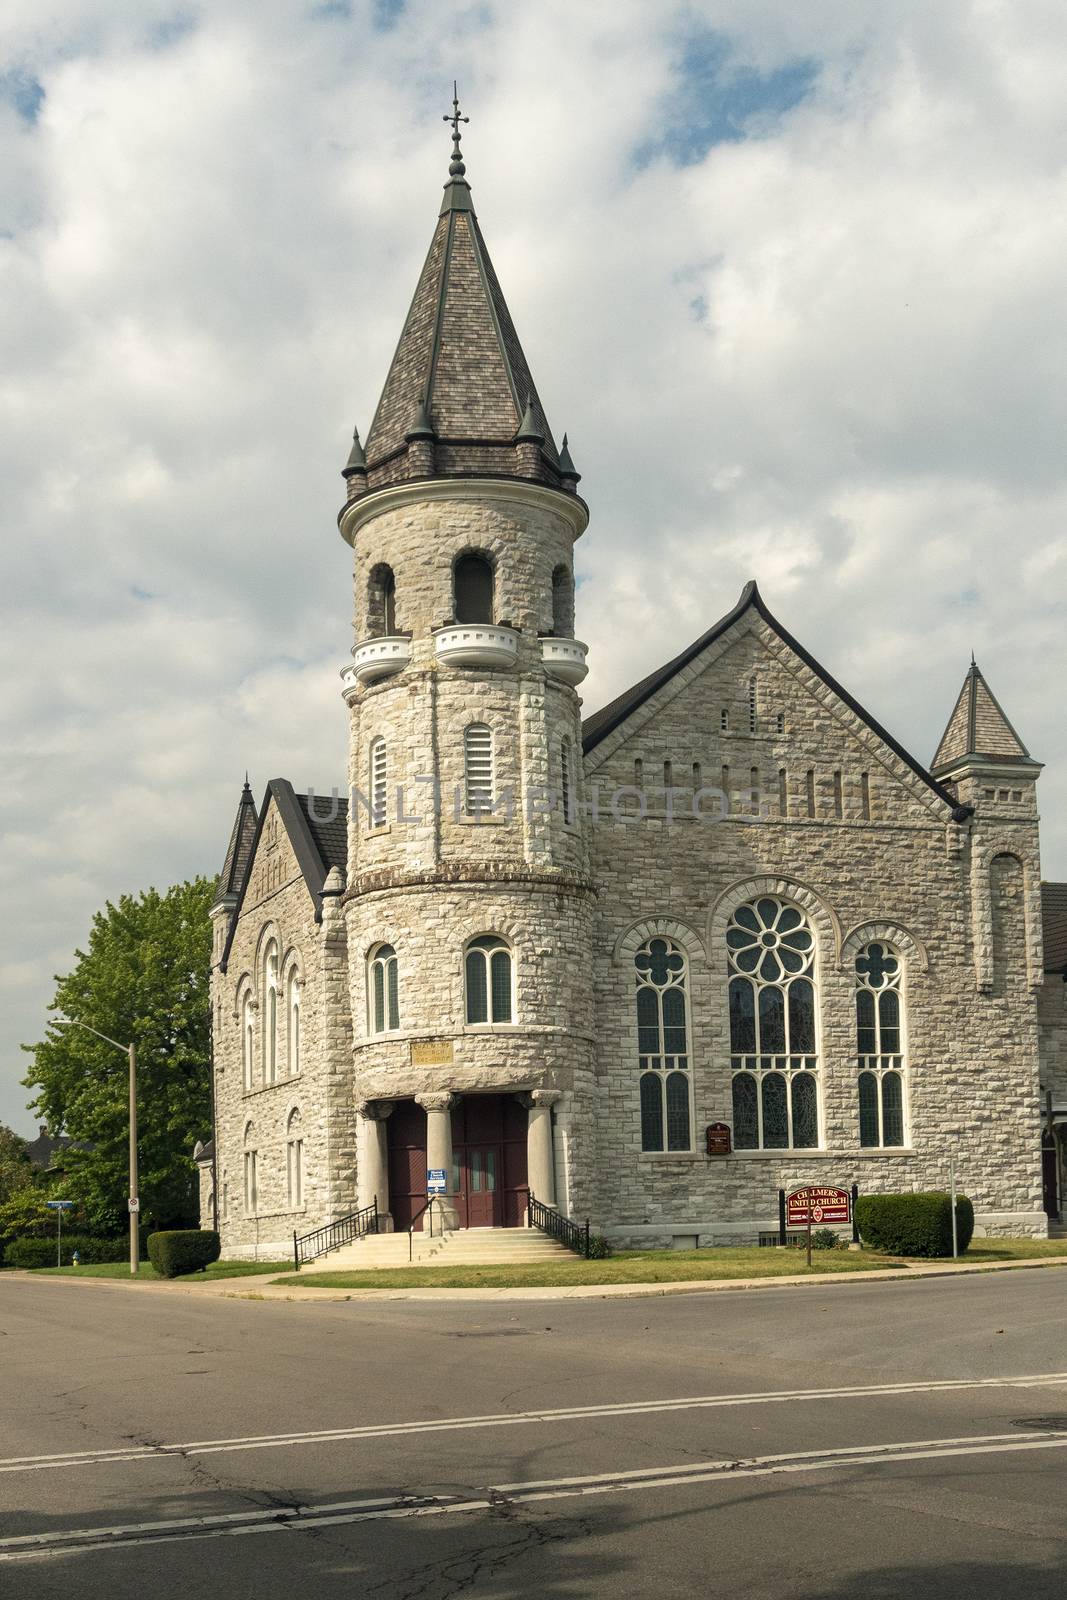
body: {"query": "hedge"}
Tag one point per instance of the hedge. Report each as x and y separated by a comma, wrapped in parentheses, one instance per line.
(183, 1250)
(914, 1224)
(42, 1252)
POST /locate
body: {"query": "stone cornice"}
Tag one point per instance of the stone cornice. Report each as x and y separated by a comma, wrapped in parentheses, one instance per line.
(571, 508)
(452, 874)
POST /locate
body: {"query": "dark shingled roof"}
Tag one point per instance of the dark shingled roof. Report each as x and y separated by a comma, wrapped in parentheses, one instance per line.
(44, 1150)
(239, 849)
(609, 717)
(1054, 926)
(317, 826)
(459, 384)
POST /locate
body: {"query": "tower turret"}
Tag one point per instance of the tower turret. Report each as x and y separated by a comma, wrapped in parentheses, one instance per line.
(469, 902)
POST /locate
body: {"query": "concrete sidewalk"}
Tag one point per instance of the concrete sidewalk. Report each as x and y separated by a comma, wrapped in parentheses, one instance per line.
(252, 1288)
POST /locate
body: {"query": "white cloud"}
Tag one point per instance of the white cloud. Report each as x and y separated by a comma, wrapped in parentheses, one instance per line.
(828, 355)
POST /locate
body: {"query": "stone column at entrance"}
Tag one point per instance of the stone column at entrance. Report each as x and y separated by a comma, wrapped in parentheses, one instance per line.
(372, 1176)
(540, 1163)
(438, 1109)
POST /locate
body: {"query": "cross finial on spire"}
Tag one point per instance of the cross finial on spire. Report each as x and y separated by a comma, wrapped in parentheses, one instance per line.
(456, 168)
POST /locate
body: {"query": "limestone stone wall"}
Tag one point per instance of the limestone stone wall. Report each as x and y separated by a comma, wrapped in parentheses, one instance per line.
(278, 906)
(821, 812)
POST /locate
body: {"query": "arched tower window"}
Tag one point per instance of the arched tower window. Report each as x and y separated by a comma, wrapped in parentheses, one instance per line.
(663, 1046)
(472, 579)
(294, 1161)
(247, 1041)
(292, 1013)
(488, 974)
(563, 602)
(880, 1046)
(381, 601)
(383, 990)
(378, 783)
(477, 769)
(770, 959)
(270, 1013)
(251, 1155)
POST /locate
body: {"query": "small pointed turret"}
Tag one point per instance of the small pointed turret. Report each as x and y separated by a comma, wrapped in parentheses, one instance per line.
(529, 432)
(421, 426)
(978, 730)
(238, 851)
(567, 470)
(357, 461)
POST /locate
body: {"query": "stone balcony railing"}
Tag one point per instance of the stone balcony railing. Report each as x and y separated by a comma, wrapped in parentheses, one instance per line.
(380, 657)
(476, 644)
(564, 658)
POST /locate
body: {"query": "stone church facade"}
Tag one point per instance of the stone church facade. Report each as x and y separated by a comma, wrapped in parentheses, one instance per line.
(545, 955)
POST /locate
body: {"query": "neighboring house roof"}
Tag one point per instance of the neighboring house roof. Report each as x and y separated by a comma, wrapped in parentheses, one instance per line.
(43, 1150)
(459, 378)
(239, 849)
(978, 727)
(317, 829)
(1054, 926)
(204, 1152)
(609, 717)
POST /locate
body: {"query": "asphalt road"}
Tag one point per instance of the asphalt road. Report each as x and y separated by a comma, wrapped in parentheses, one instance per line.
(868, 1441)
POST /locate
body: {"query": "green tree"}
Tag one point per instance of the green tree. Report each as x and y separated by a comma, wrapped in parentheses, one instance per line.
(143, 978)
(16, 1170)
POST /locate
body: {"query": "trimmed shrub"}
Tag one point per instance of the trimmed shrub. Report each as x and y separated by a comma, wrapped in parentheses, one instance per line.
(183, 1250)
(599, 1248)
(824, 1239)
(914, 1224)
(32, 1253)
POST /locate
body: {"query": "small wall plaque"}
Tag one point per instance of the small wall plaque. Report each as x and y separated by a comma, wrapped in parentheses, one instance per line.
(431, 1052)
(718, 1139)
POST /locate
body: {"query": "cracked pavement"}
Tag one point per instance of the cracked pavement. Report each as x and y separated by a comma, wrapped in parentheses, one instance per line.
(546, 1505)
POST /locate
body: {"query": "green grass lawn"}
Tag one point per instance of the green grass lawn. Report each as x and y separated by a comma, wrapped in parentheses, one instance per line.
(655, 1266)
(148, 1273)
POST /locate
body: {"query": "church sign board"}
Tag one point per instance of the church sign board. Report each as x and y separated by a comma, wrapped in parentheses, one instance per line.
(818, 1207)
(718, 1138)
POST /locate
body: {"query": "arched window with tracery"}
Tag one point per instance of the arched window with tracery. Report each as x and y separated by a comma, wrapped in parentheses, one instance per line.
(661, 978)
(880, 1046)
(472, 579)
(383, 990)
(773, 1052)
(488, 979)
(292, 1014)
(251, 1174)
(294, 1161)
(270, 1013)
(247, 1041)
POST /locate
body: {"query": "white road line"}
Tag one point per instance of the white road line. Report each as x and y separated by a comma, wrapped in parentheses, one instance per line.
(273, 1441)
(274, 1519)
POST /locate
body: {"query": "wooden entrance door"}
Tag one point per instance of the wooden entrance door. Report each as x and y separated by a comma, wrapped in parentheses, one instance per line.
(1050, 1176)
(406, 1135)
(489, 1161)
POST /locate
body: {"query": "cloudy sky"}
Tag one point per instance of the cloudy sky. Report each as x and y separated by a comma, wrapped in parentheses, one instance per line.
(791, 276)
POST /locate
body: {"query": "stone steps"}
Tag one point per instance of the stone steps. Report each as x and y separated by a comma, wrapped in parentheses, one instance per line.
(461, 1247)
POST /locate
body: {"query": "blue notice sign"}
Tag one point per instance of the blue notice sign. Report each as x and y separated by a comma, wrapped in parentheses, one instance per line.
(435, 1180)
(59, 1205)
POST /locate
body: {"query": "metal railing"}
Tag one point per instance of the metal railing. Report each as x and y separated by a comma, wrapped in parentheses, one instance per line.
(308, 1246)
(422, 1209)
(575, 1235)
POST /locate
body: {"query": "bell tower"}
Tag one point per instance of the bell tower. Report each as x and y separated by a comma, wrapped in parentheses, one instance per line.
(469, 900)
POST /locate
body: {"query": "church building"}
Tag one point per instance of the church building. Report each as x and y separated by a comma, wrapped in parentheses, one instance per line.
(722, 937)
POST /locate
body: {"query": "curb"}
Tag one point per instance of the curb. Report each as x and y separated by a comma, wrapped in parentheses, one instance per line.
(235, 1288)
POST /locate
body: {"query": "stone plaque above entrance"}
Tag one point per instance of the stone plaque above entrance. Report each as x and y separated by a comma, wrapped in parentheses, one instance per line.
(431, 1052)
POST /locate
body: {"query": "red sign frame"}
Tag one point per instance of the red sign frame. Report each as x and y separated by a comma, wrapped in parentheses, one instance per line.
(817, 1205)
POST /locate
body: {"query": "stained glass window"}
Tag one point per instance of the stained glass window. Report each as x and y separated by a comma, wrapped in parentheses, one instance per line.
(663, 1047)
(770, 957)
(488, 977)
(384, 988)
(880, 1046)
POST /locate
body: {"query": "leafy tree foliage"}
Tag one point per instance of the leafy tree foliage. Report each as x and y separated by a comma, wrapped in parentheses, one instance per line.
(143, 978)
(16, 1170)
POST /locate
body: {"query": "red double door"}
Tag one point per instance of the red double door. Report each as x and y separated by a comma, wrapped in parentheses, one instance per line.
(488, 1179)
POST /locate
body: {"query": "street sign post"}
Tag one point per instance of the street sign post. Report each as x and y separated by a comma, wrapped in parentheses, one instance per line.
(819, 1205)
(59, 1206)
(435, 1180)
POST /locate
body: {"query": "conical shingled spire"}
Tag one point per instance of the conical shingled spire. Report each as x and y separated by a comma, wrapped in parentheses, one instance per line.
(460, 359)
(355, 465)
(978, 727)
(239, 849)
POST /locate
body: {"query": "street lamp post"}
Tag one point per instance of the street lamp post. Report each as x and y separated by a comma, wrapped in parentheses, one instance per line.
(134, 1202)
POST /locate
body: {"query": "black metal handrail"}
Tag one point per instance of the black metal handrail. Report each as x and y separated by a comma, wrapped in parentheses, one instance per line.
(422, 1209)
(308, 1246)
(574, 1235)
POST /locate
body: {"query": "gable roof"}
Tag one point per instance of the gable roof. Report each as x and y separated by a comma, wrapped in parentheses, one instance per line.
(978, 727)
(609, 717)
(317, 829)
(1054, 926)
